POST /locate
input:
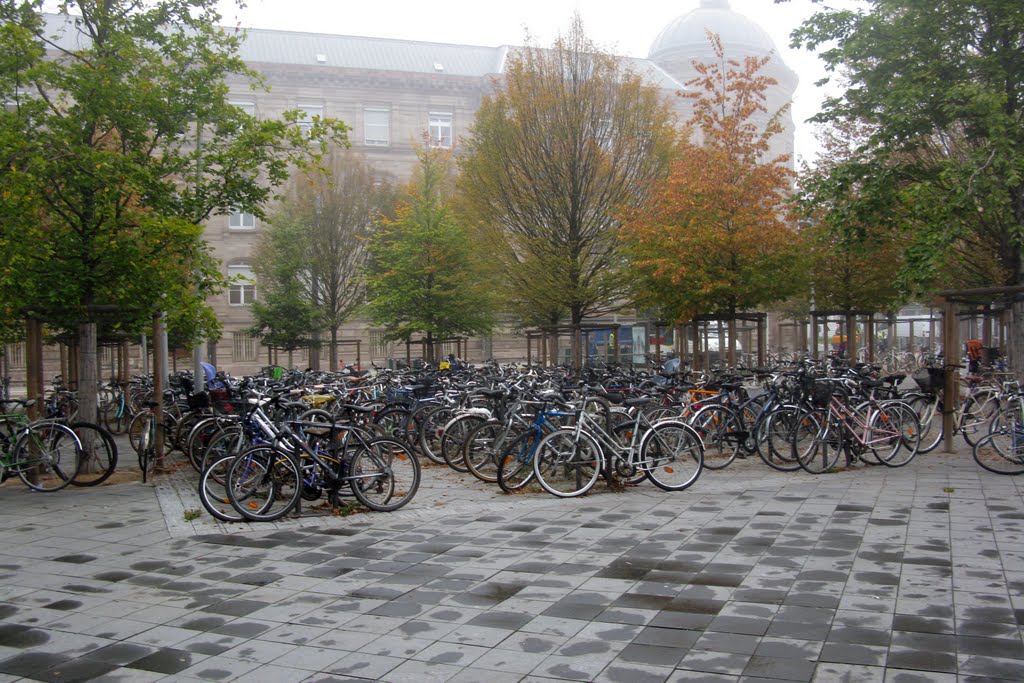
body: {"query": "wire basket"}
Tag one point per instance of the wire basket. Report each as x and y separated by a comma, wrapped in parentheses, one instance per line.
(821, 393)
(930, 380)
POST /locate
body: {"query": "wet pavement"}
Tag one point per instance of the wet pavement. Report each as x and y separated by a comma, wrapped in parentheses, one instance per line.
(873, 574)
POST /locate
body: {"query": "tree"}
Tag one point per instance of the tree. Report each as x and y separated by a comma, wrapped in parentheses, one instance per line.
(570, 136)
(716, 236)
(118, 142)
(420, 276)
(315, 245)
(942, 85)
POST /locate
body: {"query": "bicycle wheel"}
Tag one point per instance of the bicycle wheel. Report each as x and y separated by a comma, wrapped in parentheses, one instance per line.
(976, 414)
(384, 476)
(230, 440)
(1001, 451)
(894, 433)
(815, 443)
(483, 448)
(431, 430)
(671, 455)
(213, 493)
(567, 465)
(264, 484)
(45, 457)
(928, 409)
(135, 428)
(397, 423)
(515, 469)
(200, 437)
(722, 434)
(775, 435)
(98, 455)
(455, 434)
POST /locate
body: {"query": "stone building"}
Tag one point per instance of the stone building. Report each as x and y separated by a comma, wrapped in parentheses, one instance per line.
(394, 94)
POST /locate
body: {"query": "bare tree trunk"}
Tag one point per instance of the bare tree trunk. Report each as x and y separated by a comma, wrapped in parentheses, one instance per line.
(332, 353)
(88, 373)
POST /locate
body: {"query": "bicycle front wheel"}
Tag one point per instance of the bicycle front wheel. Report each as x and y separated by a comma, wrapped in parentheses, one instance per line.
(976, 413)
(815, 444)
(264, 484)
(482, 449)
(566, 465)
(672, 455)
(384, 476)
(1001, 451)
(46, 456)
(929, 413)
(895, 434)
(213, 492)
(775, 436)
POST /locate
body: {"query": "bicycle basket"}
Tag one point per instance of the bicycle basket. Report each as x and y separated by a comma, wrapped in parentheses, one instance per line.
(821, 393)
(930, 380)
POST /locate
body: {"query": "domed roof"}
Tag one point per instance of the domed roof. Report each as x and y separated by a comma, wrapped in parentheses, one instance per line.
(689, 32)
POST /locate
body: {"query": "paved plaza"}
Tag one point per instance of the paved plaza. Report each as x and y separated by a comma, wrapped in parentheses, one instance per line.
(874, 574)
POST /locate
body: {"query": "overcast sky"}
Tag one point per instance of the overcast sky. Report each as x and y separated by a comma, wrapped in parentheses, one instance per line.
(626, 27)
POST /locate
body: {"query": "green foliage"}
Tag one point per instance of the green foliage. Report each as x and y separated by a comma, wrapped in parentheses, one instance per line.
(569, 139)
(107, 177)
(420, 275)
(941, 84)
(315, 245)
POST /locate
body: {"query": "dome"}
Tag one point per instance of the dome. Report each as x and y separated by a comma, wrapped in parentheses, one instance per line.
(688, 33)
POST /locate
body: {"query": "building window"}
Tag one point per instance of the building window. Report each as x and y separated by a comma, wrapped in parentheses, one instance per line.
(378, 345)
(377, 127)
(243, 285)
(240, 220)
(309, 112)
(243, 347)
(247, 106)
(440, 129)
(16, 356)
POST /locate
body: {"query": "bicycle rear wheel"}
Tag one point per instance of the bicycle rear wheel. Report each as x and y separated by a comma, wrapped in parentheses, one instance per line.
(929, 413)
(567, 466)
(45, 457)
(775, 437)
(515, 469)
(482, 449)
(213, 492)
(672, 455)
(98, 455)
(722, 434)
(264, 484)
(976, 413)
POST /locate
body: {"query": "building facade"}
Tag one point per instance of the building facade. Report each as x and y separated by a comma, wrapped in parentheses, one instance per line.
(396, 94)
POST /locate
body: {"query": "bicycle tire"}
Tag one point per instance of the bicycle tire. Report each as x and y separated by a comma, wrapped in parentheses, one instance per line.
(431, 431)
(775, 434)
(816, 444)
(264, 483)
(899, 419)
(1001, 451)
(397, 423)
(672, 455)
(566, 466)
(230, 440)
(515, 469)
(721, 432)
(929, 415)
(98, 454)
(455, 434)
(482, 449)
(213, 492)
(45, 456)
(385, 476)
(976, 413)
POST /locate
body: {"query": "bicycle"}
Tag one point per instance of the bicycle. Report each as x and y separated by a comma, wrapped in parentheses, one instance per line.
(266, 482)
(569, 460)
(44, 454)
(888, 429)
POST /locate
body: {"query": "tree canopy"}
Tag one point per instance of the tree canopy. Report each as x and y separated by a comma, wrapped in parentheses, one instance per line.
(568, 138)
(421, 275)
(716, 235)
